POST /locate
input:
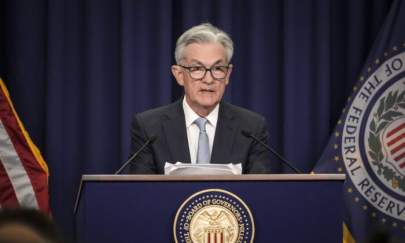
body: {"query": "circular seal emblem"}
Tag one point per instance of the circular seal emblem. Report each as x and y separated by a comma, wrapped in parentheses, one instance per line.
(213, 215)
(373, 138)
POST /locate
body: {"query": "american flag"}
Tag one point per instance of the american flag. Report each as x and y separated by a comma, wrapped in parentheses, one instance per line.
(23, 171)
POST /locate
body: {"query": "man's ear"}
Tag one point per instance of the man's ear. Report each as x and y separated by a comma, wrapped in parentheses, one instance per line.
(178, 74)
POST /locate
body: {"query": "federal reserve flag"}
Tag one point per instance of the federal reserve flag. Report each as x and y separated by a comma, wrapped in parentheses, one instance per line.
(368, 143)
(23, 171)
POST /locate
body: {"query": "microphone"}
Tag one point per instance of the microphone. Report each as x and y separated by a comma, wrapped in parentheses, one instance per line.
(250, 135)
(134, 155)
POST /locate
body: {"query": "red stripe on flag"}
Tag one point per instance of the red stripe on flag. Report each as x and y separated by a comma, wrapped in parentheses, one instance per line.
(402, 165)
(397, 148)
(209, 237)
(399, 157)
(396, 139)
(7, 195)
(396, 129)
(37, 175)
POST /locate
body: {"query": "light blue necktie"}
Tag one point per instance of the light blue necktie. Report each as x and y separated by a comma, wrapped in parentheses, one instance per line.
(203, 151)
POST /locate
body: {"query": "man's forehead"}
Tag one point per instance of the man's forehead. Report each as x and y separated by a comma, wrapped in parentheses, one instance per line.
(205, 53)
(206, 63)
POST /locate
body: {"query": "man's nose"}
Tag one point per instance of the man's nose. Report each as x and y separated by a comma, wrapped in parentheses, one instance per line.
(208, 78)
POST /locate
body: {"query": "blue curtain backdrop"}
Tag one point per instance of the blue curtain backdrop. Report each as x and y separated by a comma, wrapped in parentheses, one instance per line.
(78, 70)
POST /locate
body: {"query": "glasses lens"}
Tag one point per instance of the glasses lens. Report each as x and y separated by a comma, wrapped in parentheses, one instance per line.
(197, 72)
(219, 72)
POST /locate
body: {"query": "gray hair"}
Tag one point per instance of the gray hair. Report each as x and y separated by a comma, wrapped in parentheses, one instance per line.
(203, 33)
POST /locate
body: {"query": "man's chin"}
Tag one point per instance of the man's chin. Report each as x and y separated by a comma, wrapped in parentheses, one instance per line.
(209, 105)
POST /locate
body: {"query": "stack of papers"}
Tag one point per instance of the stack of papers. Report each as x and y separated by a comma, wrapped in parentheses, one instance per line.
(180, 168)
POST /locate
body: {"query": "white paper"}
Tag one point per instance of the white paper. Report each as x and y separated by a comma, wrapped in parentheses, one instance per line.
(180, 168)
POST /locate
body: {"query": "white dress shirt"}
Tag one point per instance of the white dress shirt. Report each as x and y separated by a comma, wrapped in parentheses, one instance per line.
(193, 131)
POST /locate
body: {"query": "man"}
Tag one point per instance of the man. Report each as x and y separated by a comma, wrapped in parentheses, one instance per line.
(200, 128)
(23, 225)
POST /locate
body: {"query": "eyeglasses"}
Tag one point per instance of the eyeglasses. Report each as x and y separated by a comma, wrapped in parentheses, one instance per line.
(199, 72)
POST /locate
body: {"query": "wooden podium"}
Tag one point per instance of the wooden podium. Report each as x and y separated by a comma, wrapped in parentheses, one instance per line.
(142, 208)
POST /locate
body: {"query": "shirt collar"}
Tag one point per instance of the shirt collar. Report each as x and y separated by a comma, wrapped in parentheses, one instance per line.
(191, 116)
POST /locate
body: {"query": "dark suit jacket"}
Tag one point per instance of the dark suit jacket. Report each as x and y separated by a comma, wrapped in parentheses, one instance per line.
(167, 123)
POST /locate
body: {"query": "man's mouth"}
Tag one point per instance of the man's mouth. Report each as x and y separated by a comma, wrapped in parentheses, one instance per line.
(207, 90)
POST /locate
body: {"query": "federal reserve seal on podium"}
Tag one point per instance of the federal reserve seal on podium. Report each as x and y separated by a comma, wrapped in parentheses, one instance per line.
(213, 216)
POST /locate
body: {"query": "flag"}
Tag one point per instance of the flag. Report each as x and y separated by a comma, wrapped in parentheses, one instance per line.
(23, 171)
(368, 143)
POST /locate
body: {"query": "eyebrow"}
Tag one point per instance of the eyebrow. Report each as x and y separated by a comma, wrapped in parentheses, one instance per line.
(195, 61)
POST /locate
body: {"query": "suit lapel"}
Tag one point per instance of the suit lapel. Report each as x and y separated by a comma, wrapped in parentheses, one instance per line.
(176, 134)
(224, 135)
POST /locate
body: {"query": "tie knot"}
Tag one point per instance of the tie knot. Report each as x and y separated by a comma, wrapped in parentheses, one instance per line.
(200, 122)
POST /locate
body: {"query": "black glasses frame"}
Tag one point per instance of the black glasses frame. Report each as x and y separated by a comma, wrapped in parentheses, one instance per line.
(205, 71)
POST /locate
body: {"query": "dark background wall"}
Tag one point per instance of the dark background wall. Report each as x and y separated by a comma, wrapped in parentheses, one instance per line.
(78, 70)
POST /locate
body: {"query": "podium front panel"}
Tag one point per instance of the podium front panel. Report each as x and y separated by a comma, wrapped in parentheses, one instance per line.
(136, 210)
